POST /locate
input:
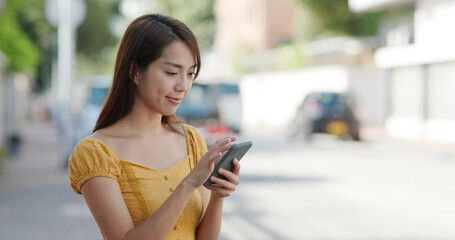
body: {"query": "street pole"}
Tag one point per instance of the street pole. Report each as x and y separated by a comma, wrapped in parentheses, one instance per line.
(65, 48)
(66, 15)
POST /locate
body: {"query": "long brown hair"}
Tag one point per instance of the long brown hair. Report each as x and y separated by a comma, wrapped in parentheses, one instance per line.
(143, 42)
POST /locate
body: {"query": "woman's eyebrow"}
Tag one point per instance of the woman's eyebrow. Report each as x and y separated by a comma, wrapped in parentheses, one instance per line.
(178, 65)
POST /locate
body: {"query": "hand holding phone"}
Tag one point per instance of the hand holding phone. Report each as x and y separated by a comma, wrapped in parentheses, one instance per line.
(237, 150)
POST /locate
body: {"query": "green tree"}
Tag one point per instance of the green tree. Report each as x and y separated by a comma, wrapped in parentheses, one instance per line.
(336, 18)
(21, 52)
(94, 35)
(33, 23)
(197, 14)
(26, 38)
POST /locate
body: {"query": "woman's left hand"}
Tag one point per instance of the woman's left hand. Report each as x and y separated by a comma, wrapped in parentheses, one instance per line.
(223, 188)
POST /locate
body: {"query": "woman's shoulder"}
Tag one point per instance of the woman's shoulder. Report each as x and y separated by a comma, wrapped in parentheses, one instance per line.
(192, 132)
(91, 158)
(91, 143)
(195, 140)
(86, 144)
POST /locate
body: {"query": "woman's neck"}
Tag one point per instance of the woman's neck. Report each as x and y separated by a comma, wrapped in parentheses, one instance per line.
(141, 121)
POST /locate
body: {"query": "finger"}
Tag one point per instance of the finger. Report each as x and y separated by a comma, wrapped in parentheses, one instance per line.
(219, 190)
(236, 170)
(231, 177)
(226, 147)
(217, 146)
(221, 140)
(232, 138)
(225, 142)
(214, 156)
(222, 146)
(223, 183)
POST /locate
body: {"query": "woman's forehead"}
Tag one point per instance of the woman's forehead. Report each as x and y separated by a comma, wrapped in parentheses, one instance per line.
(178, 53)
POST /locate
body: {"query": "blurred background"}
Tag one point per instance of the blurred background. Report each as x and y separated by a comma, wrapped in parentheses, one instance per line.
(348, 103)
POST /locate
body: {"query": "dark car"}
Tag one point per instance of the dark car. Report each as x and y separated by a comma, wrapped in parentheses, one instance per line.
(327, 112)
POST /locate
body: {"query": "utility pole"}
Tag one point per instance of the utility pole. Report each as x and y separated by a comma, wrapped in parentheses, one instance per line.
(66, 15)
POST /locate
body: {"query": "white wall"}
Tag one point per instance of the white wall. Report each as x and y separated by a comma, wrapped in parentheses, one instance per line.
(365, 5)
(441, 112)
(422, 83)
(407, 103)
(270, 99)
(434, 22)
(369, 86)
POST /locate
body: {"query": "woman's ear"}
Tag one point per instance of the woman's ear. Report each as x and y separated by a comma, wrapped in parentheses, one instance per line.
(135, 74)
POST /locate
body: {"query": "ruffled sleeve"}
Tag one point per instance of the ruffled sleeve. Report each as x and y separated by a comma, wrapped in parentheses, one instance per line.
(196, 144)
(90, 159)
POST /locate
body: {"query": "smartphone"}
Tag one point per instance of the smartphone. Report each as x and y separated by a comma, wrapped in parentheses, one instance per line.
(237, 150)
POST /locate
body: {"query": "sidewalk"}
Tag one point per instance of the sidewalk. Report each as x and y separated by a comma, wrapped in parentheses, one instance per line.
(379, 134)
(36, 200)
(38, 164)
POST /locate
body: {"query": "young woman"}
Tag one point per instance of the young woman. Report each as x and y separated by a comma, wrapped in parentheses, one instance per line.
(141, 171)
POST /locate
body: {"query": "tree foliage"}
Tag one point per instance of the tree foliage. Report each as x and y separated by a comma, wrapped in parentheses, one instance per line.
(22, 53)
(94, 34)
(336, 18)
(32, 21)
(26, 38)
(197, 14)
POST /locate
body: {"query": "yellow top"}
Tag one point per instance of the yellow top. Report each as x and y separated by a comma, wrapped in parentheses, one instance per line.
(144, 189)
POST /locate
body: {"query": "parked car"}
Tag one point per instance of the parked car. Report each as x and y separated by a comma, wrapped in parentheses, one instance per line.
(91, 110)
(83, 121)
(229, 105)
(327, 112)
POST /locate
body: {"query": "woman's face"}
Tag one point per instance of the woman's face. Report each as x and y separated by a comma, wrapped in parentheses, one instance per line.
(167, 80)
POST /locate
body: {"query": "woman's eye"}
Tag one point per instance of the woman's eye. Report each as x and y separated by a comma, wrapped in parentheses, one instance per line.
(192, 74)
(171, 73)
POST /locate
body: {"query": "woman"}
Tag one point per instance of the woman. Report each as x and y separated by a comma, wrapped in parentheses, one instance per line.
(141, 171)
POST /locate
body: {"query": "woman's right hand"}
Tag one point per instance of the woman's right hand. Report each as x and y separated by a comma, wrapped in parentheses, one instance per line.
(201, 172)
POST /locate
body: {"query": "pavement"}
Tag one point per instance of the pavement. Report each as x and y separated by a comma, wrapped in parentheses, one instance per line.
(36, 200)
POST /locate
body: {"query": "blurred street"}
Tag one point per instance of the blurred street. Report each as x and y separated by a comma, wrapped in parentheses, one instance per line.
(343, 190)
(326, 189)
(36, 201)
(380, 71)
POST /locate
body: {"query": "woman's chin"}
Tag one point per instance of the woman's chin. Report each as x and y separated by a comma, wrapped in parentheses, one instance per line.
(168, 113)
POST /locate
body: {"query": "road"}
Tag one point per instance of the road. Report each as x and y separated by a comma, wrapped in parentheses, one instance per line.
(331, 189)
(326, 189)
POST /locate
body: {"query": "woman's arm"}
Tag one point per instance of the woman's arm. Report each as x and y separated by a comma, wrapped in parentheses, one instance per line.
(105, 200)
(210, 226)
(211, 223)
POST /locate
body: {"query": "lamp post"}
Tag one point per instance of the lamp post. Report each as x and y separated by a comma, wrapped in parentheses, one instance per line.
(66, 15)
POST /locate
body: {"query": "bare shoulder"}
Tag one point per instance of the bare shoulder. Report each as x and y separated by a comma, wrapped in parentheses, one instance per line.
(101, 134)
(108, 135)
(178, 136)
(179, 127)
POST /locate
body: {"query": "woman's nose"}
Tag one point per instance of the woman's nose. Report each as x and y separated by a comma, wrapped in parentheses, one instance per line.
(181, 84)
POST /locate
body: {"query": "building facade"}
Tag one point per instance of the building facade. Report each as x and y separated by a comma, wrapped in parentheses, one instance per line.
(249, 26)
(419, 61)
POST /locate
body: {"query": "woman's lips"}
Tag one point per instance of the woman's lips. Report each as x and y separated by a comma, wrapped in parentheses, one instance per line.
(174, 100)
